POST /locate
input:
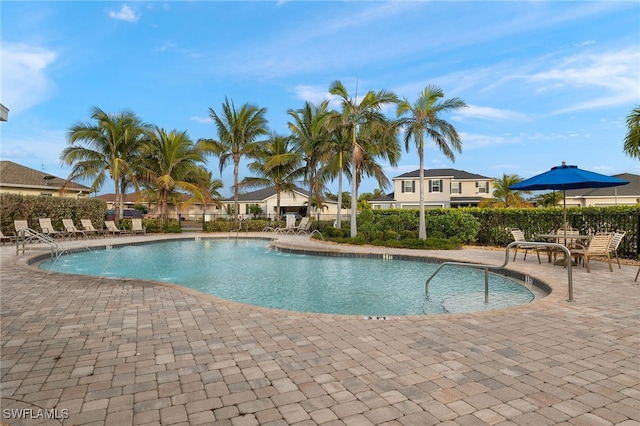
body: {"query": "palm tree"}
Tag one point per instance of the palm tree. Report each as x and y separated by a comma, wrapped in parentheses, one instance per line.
(310, 134)
(107, 148)
(171, 161)
(237, 134)
(277, 165)
(334, 154)
(550, 199)
(364, 121)
(632, 139)
(209, 190)
(424, 120)
(503, 197)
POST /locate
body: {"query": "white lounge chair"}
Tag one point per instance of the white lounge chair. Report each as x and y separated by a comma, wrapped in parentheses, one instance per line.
(71, 229)
(47, 228)
(137, 227)
(303, 227)
(89, 229)
(113, 229)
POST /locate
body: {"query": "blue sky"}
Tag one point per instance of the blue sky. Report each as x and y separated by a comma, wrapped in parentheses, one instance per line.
(545, 82)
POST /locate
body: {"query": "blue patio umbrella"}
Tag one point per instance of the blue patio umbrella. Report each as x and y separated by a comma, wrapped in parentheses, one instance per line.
(567, 177)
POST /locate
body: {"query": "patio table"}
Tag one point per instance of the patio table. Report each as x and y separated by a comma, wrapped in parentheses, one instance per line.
(565, 240)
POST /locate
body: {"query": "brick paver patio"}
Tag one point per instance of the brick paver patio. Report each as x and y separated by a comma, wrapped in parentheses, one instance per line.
(119, 352)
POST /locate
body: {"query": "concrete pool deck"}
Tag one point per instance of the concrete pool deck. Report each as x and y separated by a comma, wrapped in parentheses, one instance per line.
(94, 351)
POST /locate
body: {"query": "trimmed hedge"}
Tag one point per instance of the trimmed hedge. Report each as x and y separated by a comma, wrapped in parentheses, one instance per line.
(495, 222)
(32, 207)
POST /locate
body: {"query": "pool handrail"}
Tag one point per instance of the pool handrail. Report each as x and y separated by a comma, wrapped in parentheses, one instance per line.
(28, 235)
(506, 261)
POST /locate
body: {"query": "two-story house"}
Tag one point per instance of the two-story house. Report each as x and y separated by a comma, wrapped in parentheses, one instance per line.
(442, 188)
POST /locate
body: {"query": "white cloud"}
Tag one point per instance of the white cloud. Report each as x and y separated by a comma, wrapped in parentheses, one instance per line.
(125, 14)
(488, 113)
(24, 79)
(313, 94)
(613, 76)
(201, 119)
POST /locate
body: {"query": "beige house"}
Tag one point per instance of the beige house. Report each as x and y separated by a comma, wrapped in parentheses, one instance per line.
(442, 188)
(153, 210)
(624, 195)
(294, 203)
(18, 179)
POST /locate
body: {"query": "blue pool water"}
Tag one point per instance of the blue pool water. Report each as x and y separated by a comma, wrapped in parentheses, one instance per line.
(248, 271)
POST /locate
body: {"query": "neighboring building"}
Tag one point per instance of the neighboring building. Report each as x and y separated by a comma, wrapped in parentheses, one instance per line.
(295, 202)
(18, 179)
(153, 210)
(4, 113)
(623, 195)
(442, 188)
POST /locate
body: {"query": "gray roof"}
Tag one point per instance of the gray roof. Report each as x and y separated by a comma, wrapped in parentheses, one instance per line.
(13, 174)
(389, 197)
(632, 189)
(455, 173)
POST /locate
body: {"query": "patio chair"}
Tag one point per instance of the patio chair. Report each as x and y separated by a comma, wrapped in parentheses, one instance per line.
(71, 229)
(112, 228)
(89, 229)
(137, 227)
(47, 228)
(598, 246)
(7, 238)
(518, 236)
(20, 226)
(615, 242)
(303, 227)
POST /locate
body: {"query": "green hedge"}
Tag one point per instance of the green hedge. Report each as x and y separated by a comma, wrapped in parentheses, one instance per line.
(494, 223)
(32, 207)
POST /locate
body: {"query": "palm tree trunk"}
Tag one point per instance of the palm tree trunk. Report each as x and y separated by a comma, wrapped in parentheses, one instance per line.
(236, 198)
(339, 215)
(422, 232)
(354, 186)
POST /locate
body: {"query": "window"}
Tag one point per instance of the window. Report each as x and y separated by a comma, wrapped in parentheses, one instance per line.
(482, 187)
(408, 186)
(435, 185)
(456, 187)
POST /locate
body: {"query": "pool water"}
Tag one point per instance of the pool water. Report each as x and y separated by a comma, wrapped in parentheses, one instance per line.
(248, 271)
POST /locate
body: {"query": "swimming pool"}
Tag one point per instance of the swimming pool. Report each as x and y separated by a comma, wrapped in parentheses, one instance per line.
(248, 271)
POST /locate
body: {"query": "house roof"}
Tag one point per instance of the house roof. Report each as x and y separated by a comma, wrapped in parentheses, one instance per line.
(132, 198)
(387, 198)
(13, 174)
(455, 173)
(632, 189)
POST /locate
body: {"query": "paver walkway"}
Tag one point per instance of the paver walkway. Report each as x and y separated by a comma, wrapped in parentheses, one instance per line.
(120, 352)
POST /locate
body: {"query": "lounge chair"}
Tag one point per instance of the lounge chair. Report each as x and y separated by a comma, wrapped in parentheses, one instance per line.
(71, 229)
(47, 228)
(518, 236)
(303, 227)
(89, 229)
(113, 229)
(21, 227)
(6, 238)
(290, 225)
(598, 246)
(615, 242)
(137, 227)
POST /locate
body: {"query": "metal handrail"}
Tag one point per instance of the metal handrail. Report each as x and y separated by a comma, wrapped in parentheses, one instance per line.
(28, 235)
(506, 261)
(239, 229)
